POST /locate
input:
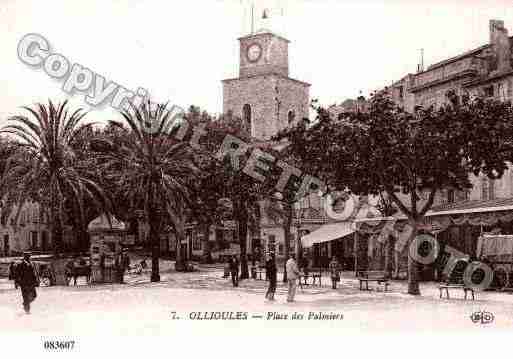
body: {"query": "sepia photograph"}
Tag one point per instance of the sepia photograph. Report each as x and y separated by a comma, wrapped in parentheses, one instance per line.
(242, 178)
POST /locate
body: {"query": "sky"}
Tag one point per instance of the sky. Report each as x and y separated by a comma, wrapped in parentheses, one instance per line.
(181, 50)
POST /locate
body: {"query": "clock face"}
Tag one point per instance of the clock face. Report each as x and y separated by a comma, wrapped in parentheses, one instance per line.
(254, 52)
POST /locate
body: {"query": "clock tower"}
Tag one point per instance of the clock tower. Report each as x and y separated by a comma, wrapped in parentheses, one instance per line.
(264, 97)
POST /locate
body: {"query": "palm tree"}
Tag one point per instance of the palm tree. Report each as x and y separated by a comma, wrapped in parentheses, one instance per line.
(45, 168)
(151, 170)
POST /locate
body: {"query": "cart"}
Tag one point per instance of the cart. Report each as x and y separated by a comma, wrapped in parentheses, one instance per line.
(497, 252)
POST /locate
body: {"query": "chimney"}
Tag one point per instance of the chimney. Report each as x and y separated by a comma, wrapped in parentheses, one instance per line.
(499, 41)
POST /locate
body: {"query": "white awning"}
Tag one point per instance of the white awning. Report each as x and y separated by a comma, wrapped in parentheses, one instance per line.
(328, 232)
(102, 223)
(470, 210)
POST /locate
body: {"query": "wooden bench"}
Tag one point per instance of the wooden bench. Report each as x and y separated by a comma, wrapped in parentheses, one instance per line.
(372, 276)
(315, 274)
(455, 281)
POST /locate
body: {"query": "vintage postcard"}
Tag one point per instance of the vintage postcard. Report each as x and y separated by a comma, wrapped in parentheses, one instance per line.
(255, 178)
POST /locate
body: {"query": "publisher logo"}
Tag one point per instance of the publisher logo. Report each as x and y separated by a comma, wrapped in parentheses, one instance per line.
(482, 317)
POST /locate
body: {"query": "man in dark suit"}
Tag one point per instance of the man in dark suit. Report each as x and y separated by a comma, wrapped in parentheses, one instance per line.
(234, 271)
(271, 272)
(27, 279)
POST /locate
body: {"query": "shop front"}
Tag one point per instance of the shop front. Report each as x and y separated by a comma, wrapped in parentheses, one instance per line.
(328, 241)
(458, 226)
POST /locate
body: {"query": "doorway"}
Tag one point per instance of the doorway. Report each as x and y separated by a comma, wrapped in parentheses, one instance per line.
(34, 240)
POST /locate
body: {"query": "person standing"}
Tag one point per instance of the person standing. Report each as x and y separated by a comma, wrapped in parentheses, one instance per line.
(27, 279)
(335, 272)
(120, 265)
(126, 260)
(292, 276)
(226, 273)
(123, 264)
(234, 271)
(271, 273)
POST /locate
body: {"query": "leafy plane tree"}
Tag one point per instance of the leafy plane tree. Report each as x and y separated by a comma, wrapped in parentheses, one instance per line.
(385, 150)
(44, 167)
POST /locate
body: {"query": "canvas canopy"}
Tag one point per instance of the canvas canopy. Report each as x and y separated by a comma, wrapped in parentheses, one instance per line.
(494, 245)
(102, 223)
(328, 232)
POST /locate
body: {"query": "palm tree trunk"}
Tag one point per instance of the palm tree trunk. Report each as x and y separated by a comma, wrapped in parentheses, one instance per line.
(154, 219)
(287, 223)
(54, 224)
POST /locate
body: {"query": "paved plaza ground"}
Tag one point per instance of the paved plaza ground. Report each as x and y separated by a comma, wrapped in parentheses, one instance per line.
(140, 307)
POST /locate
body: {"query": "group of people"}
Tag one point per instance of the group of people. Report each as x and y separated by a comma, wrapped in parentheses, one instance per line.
(293, 275)
(291, 268)
(232, 269)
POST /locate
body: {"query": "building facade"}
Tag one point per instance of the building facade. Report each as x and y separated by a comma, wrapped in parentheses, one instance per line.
(30, 234)
(459, 217)
(486, 71)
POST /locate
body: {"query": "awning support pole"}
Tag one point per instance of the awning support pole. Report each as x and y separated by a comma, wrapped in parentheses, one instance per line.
(356, 253)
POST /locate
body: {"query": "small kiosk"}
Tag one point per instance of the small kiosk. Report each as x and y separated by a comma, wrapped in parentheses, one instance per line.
(107, 235)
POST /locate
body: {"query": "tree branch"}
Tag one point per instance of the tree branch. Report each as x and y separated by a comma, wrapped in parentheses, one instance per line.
(398, 202)
(429, 203)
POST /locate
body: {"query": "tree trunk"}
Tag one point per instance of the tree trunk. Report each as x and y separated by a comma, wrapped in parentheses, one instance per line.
(178, 224)
(413, 266)
(154, 220)
(57, 234)
(242, 222)
(55, 225)
(178, 249)
(83, 242)
(206, 243)
(389, 245)
(287, 223)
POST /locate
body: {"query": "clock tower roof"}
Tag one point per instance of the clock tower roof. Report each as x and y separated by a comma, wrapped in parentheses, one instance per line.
(272, 74)
(262, 33)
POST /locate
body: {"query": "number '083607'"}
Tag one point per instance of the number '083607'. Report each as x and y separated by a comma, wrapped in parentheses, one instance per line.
(59, 345)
